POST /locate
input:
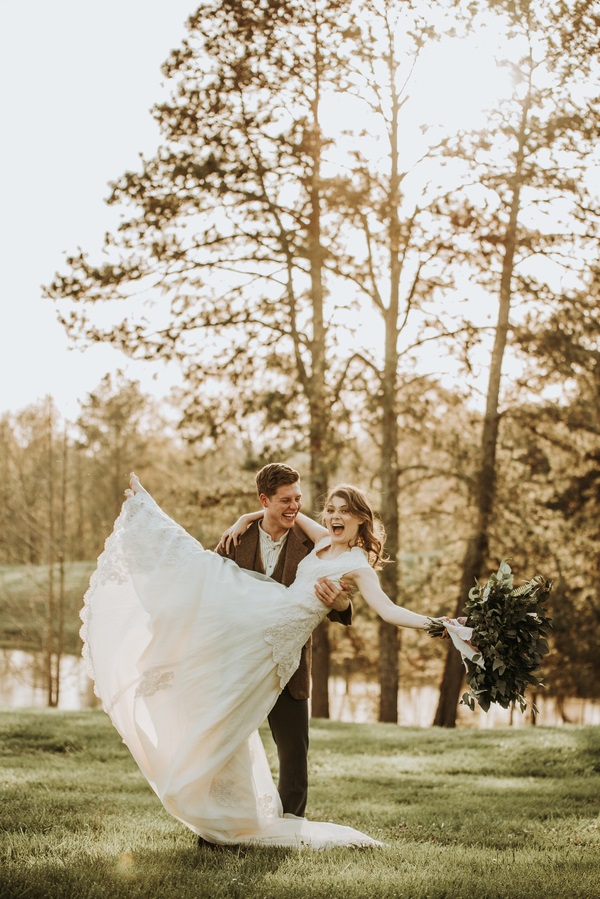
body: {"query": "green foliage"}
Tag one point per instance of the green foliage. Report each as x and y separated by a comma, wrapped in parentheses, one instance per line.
(23, 597)
(503, 814)
(510, 626)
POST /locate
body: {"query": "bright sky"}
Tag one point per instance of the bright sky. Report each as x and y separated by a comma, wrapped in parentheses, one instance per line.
(78, 81)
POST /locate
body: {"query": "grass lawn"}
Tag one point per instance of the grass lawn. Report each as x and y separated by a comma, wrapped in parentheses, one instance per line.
(465, 815)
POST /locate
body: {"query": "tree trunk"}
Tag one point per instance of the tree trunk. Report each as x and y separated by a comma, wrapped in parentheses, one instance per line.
(60, 623)
(51, 598)
(320, 672)
(388, 634)
(452, 679)
(80, 547)
(320, 659)
(477, 548)
(319, 468)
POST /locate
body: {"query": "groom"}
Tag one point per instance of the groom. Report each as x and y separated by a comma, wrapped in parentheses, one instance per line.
(275, 546)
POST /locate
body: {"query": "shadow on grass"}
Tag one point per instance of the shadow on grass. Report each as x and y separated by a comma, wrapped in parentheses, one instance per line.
(169, 873)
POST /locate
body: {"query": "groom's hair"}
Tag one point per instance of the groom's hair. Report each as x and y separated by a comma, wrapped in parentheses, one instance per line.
(270, 478)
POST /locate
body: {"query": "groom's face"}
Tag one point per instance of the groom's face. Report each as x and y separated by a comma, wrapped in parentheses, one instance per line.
(281, 508)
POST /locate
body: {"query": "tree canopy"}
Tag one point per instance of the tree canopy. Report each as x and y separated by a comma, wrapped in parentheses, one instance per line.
(310, 271)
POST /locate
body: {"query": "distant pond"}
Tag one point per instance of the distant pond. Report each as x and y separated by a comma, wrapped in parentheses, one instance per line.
(22, 686)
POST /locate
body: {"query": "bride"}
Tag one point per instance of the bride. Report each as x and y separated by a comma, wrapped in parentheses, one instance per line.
(189, 652)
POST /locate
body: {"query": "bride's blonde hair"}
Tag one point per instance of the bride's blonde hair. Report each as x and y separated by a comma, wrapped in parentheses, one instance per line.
(371, 532)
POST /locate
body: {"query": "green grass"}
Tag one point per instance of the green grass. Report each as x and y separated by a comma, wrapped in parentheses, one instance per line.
(494, 813)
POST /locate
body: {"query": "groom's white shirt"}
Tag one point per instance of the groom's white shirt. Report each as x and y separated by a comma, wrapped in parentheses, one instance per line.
(270, 549)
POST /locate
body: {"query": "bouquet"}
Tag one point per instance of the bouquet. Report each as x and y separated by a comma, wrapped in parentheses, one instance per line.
(504, 639)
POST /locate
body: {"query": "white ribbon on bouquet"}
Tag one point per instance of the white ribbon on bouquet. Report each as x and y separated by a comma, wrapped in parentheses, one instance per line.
(461, 636)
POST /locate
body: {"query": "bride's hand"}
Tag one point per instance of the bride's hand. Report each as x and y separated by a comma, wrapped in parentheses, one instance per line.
(457, 622)
(461, 629)
(232, 535)
(445, 619)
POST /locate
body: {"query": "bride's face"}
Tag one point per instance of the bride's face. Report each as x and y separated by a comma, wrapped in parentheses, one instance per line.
(340, 522)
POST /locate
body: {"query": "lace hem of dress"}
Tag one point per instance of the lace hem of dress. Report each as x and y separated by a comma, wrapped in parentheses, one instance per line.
(224, 791)
(287, 637)
(286, 663)
(112, 566)
(97, 577)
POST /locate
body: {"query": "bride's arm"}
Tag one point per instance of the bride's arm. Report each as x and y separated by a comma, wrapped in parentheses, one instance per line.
(312, 529)
(236, 530)
(368, 583)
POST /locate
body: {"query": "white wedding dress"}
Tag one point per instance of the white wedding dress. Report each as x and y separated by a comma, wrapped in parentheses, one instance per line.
(188, 654)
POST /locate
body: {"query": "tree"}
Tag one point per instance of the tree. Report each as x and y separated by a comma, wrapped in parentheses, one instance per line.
(8, 551)
(561, 341)
(548, 129)
(115, 427)
(34, 522)
(401, 254)
(229, 239)
(229, 236)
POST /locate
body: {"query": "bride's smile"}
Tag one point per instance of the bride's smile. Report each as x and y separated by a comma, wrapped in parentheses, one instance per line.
(340, 522)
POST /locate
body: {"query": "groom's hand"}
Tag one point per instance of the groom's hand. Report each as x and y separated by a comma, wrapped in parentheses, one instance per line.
(334, 597)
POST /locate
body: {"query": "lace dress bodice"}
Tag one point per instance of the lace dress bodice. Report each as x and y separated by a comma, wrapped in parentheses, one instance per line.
(311, 568)
(291, 630)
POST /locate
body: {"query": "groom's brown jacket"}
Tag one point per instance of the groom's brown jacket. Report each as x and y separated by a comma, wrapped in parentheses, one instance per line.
(297, 545)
